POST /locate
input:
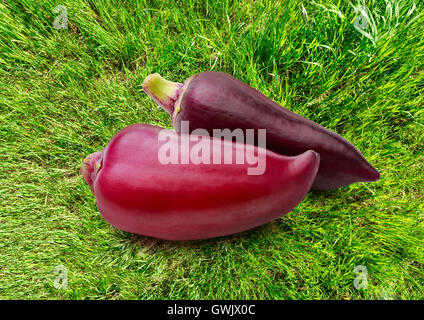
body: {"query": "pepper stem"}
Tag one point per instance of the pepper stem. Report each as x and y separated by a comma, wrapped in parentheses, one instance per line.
(162, 91)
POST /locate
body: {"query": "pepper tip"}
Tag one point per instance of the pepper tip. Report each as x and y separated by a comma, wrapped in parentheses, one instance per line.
(90, 166)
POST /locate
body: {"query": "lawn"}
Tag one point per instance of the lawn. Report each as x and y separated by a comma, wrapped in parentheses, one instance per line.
(65, 89)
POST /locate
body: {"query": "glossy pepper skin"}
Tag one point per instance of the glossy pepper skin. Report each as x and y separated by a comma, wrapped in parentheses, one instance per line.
(135, 192)
(216, 100)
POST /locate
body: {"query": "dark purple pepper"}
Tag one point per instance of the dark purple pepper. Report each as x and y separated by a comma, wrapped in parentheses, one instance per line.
(216, 100)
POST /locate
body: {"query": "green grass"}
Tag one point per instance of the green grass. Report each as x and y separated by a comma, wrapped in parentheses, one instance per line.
(64, 93)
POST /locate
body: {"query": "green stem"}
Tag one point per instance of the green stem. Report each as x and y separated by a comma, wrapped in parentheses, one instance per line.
(162, 91)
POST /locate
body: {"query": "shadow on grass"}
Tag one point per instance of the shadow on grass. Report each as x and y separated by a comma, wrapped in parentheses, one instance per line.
(151, 245)
(343, 195)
